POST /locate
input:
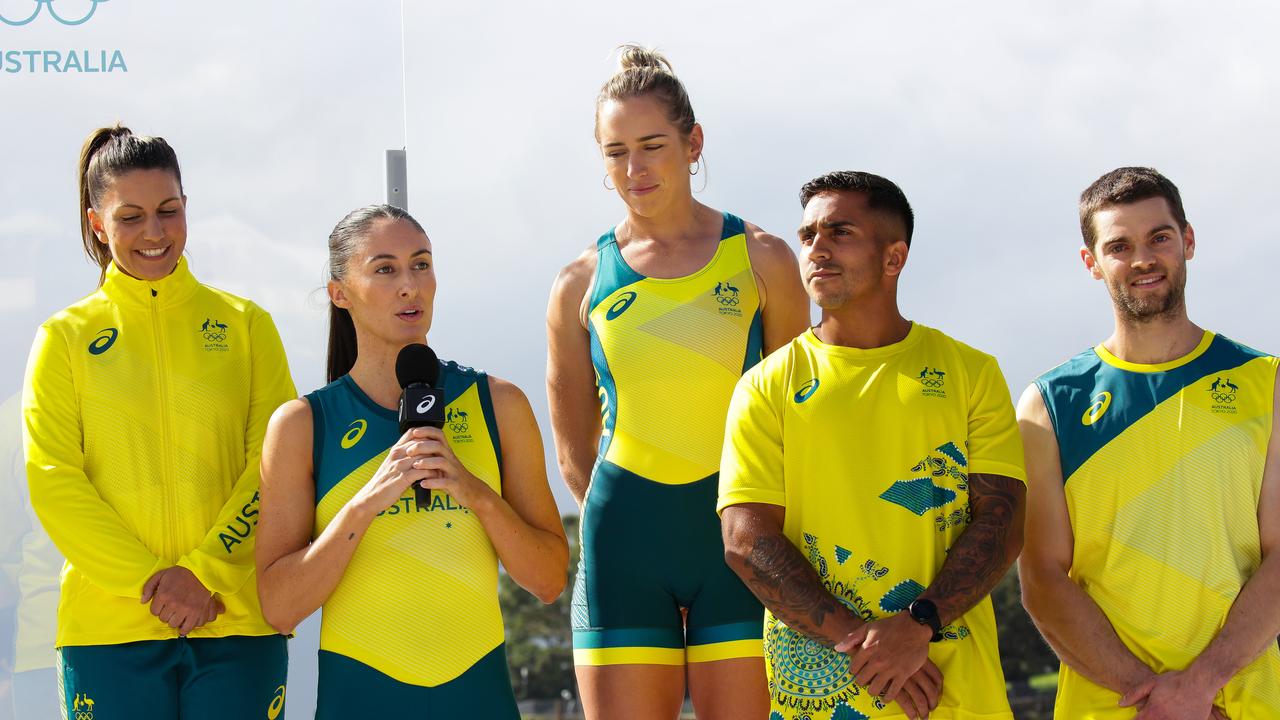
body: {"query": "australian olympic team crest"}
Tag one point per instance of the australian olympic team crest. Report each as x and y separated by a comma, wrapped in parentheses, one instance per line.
(726, 296)
(215, 335)
(933, 381)
(82, 707)
(1223, 392)
(458, 422)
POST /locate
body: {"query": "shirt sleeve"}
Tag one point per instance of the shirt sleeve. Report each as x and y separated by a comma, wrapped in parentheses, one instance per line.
(83, 526)
(995, 445)
(751, 467)
(224, 567)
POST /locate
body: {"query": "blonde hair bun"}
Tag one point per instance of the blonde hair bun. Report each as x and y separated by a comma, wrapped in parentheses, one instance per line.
(633, 56)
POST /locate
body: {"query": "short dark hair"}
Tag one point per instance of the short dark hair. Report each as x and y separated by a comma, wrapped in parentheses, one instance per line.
(882, 194)
(1123, 186)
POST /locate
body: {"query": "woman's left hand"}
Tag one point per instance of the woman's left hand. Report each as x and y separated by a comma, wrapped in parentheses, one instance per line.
(450, 476)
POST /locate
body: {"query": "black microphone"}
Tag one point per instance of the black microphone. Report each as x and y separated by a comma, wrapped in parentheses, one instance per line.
(421, 402)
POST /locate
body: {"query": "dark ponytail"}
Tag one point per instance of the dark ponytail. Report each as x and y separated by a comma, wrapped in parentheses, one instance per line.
(108, 153)
(353, 228)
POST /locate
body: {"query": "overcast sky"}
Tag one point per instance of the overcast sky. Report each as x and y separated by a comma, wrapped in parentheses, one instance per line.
(991, 116)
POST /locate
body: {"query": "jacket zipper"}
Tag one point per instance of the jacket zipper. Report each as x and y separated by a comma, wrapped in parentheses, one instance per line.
(166, 432)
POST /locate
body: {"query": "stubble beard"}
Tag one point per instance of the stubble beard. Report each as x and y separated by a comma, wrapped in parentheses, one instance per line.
(1143, 310)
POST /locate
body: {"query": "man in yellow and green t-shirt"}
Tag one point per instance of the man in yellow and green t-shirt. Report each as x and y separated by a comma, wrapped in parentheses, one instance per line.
(872, 486)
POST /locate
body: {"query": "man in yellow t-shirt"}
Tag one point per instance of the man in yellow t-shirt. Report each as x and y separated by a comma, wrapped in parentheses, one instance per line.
(872, 485)
(1154, 468)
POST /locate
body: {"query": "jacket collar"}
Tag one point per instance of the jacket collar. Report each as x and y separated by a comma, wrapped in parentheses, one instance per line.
(170, 290)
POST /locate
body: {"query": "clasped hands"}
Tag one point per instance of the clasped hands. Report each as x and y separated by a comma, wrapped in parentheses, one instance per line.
(1174, 695)
(890, 658)
(180, 601)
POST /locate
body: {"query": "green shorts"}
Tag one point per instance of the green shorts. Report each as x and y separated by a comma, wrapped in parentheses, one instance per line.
(350, 689)
(187, 678)
(651, 553)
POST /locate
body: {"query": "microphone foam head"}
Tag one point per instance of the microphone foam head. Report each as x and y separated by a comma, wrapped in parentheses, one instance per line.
(417, 364)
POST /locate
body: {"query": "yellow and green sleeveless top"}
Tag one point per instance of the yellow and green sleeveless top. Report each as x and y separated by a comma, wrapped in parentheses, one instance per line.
(1163, 468)
(419, 600)
(667, 354)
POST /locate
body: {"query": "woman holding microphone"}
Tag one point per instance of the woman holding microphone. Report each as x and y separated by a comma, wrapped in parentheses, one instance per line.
(144, 408)
(411, 622)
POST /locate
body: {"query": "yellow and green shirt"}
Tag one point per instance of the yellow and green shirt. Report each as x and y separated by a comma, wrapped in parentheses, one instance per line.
(870, 452)
(1163, 469)
(419, 600)
(667, 353)
(144, 408)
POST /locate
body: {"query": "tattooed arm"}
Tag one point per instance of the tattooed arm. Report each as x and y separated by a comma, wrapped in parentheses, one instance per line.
(985, 550)
(775, 570)
(885, 652)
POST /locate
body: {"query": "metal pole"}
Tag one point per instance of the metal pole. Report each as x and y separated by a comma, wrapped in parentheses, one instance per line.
(397, 179)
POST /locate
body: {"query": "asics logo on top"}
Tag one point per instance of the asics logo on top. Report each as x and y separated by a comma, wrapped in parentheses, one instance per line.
(103, 342)
(427, 403)
(40, 4)
(620, 305)
(1101, 402)
(277, 704)
(1223, 391)
(807, 390)
(355, 431)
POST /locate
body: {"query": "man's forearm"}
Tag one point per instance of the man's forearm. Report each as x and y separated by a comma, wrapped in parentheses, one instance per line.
(1251, 627)
(775, 570)
(984, 551)
(1080, 633)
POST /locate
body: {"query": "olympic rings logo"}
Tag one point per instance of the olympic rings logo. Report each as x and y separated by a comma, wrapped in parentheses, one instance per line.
(931, 382)
(215, 336)
(54, 14)
(82, 714)
(459, 427)
(727, 299)
(1226, 397)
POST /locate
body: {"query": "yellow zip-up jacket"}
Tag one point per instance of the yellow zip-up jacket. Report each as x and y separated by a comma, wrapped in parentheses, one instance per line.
(144, 407)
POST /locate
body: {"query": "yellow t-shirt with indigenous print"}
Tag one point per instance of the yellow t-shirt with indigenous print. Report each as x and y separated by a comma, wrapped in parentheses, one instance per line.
(870, 452)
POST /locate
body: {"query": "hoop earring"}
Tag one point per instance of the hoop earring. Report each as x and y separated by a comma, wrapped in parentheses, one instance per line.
(605, 182)
(695, 166)
(701, 165)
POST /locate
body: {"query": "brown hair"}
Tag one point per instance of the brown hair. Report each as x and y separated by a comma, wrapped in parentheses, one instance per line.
(343, 348)
(1123, 186)
(108, 153)
(644, 71)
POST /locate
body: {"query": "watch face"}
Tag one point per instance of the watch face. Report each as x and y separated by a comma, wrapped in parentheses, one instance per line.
(923, 610)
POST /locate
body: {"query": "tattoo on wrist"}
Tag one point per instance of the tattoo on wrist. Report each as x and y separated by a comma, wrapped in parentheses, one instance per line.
(980, 556)
(789, 586)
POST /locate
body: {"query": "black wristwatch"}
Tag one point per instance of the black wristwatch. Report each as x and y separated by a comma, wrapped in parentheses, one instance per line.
(926, 613)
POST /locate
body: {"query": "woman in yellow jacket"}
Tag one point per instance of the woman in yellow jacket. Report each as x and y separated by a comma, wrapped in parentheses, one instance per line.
(144, 408)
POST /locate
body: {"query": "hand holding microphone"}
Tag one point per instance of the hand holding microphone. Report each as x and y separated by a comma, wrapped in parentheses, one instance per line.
(421, 402)
(422, 406)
